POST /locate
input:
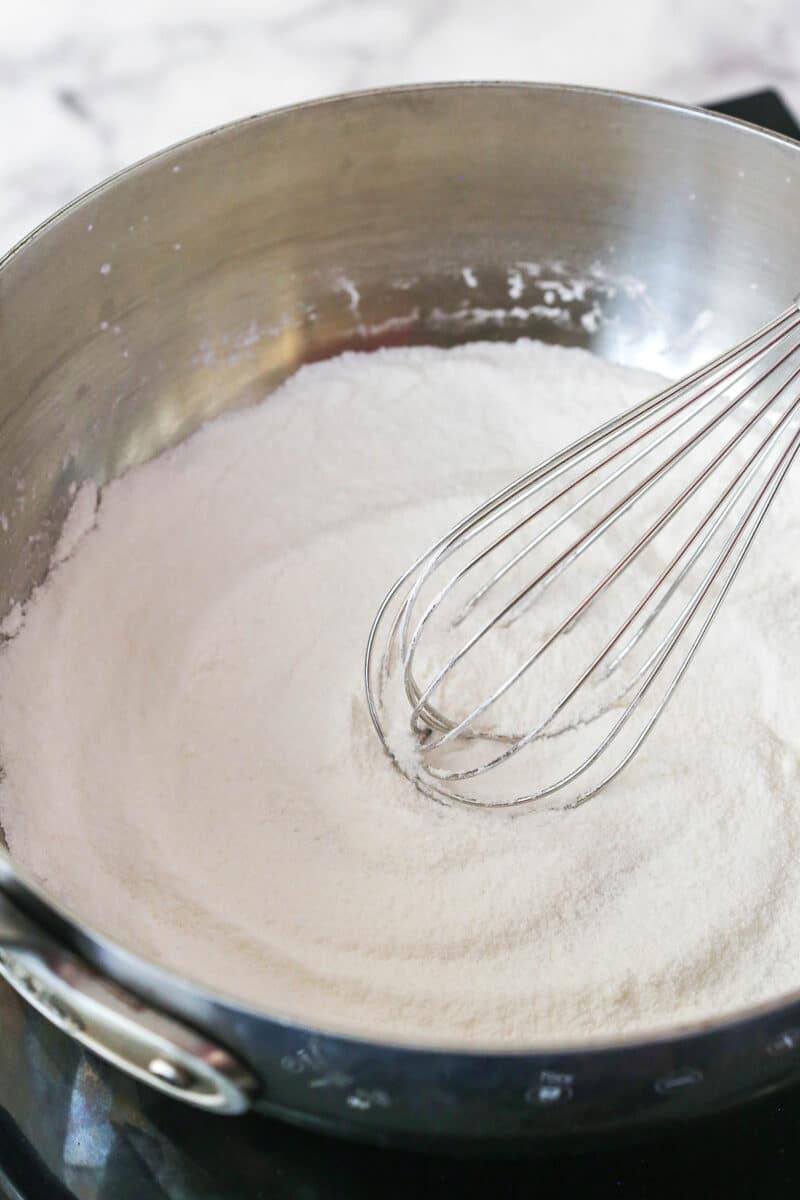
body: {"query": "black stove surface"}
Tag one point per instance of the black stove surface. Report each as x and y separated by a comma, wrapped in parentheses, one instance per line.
(73, 1129)
(101, 1145)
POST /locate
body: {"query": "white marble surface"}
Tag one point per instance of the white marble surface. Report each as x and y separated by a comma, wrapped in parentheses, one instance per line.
(87, 87)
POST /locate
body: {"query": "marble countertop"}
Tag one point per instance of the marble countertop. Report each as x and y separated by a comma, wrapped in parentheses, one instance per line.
(88, 87)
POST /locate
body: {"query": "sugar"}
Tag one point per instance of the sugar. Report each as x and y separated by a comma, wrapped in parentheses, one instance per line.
(191, 767)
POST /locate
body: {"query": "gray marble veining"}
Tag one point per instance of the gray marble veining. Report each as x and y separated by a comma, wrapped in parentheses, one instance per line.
(86, 88)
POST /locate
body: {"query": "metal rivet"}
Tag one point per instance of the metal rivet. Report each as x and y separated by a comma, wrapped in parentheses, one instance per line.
(169, 1072)
(59, 1012)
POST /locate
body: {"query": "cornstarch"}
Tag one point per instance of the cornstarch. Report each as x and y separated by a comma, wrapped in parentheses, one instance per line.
(190, 765)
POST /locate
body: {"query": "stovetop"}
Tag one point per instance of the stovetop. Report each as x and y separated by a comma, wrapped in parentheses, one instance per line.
(102, 1138)
(73, 1129)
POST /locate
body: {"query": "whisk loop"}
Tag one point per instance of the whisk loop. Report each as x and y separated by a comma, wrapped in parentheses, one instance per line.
(528, 653)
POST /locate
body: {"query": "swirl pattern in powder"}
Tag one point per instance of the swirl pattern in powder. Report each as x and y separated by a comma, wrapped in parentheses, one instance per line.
(190, 764)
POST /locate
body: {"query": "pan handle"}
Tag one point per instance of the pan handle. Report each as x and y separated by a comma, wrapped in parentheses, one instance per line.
(114, 1023)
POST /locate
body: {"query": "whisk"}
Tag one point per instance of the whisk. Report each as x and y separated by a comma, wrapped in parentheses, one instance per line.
(525, 657)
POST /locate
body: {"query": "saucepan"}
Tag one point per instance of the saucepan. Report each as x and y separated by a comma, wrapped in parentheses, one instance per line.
(653, 233)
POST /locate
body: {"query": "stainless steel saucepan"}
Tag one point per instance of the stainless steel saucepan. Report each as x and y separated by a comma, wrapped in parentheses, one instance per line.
(654, 233)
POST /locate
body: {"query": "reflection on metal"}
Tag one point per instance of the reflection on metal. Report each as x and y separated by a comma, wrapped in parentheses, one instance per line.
(398, 191)
(677, 1080)
(117, 1025)
(785, 1043)
(363, 1099)
(552, 1087)
(89, 1135)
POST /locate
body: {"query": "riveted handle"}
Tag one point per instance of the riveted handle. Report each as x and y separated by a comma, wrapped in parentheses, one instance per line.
(110, 1020)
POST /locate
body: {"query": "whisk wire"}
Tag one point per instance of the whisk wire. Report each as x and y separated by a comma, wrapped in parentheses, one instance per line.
(419, 697)
(563, 490)
(769, 489)
(523, 740)
(694, 408)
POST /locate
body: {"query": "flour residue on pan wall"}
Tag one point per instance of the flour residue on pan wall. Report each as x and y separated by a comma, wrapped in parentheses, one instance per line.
(598, 306)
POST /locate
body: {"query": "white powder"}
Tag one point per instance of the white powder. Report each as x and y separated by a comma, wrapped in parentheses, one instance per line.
(80, 519)
(190, 765)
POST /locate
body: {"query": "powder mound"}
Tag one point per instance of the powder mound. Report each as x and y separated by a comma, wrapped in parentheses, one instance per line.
(190, 765)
